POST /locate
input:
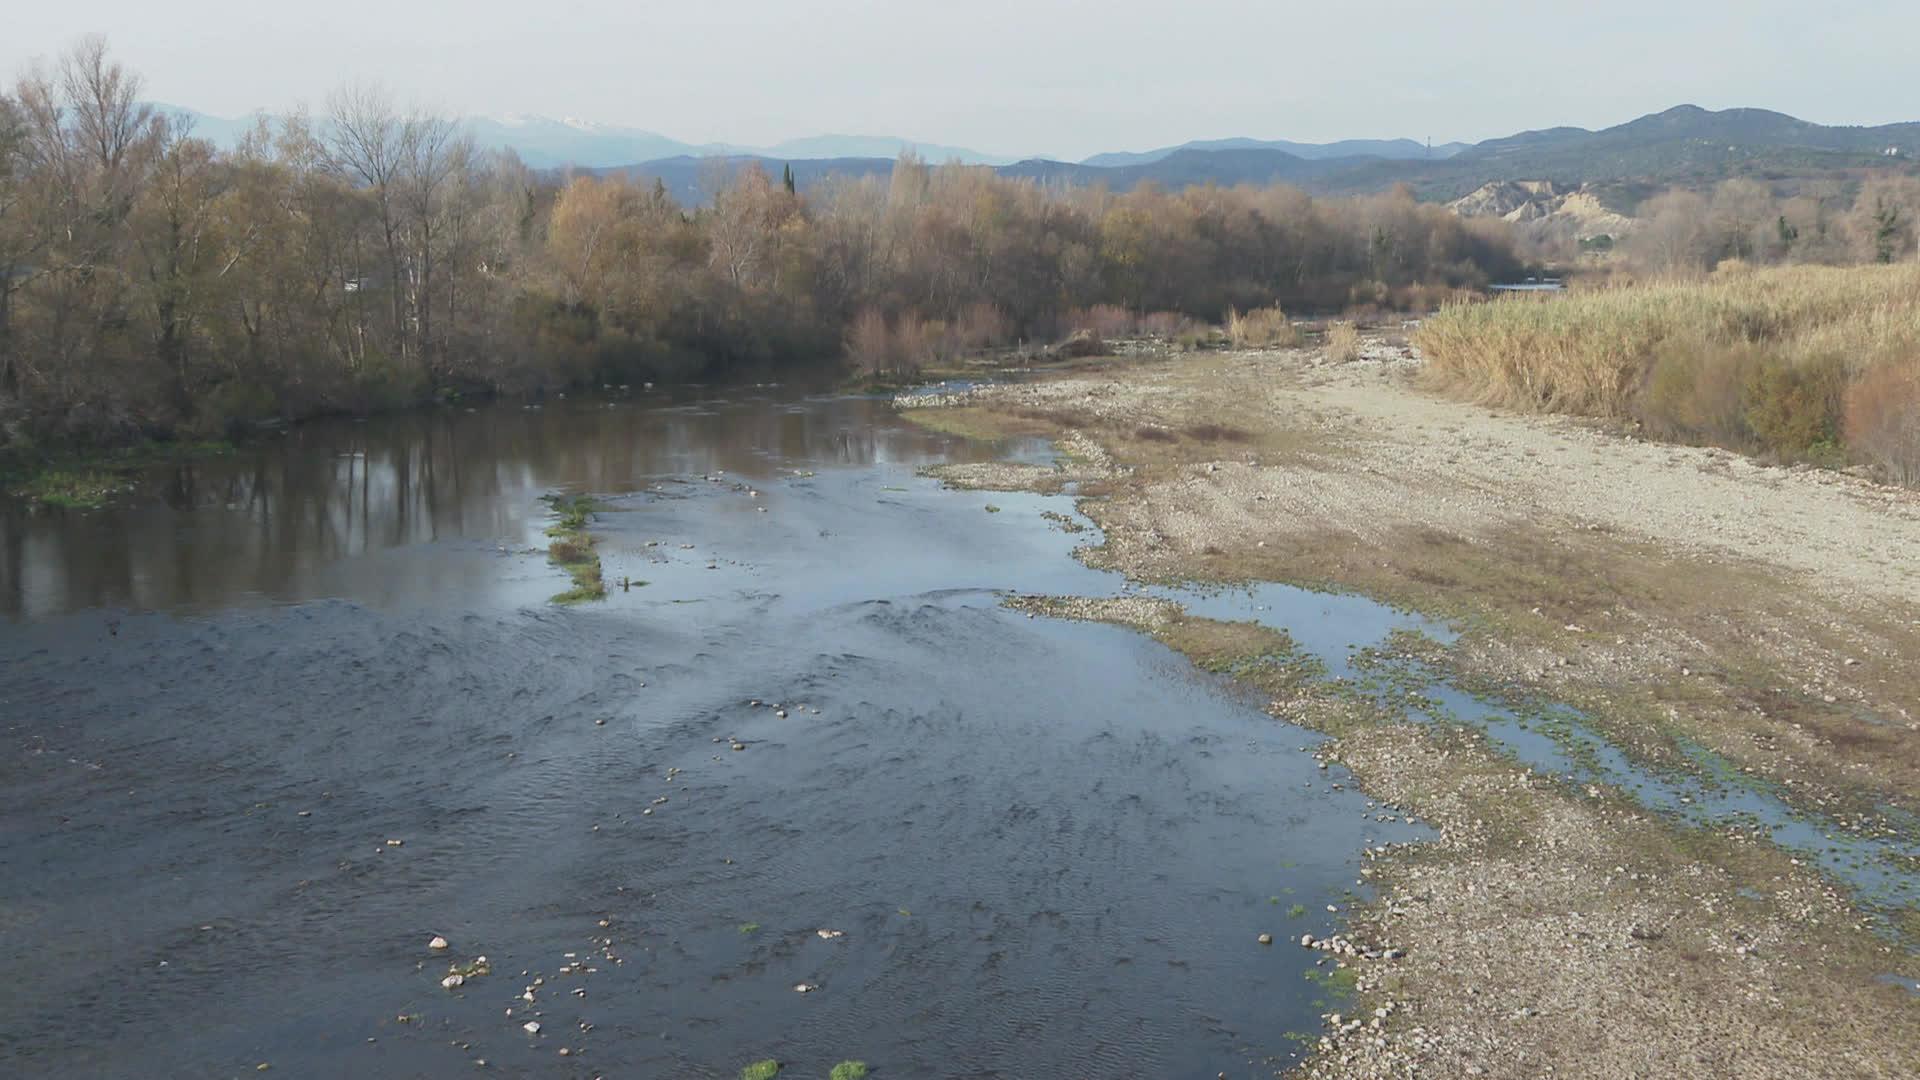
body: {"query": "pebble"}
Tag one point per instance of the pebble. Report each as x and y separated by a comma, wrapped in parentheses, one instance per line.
(453, 981)
(829, 935)
(804, 988)
(1266, 939)
(531, 1027)
(437, 944)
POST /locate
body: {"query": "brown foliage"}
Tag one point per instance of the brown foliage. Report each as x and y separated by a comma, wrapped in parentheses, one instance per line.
(1883, 419)
(150, 281)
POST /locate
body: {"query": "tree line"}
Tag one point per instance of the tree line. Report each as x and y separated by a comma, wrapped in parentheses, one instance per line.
(1827, 221)
(154, 283)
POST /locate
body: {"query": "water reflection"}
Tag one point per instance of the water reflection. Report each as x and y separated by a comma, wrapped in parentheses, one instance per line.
(326, 508)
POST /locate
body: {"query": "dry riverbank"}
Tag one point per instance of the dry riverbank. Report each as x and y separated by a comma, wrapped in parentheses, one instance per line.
(1682, 598)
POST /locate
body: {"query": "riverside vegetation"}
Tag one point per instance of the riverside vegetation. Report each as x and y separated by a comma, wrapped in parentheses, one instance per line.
(571, 548)
(154, 284)
(1803, 363)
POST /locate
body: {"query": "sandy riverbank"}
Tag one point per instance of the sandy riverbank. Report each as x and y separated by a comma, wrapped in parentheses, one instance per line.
(1681, 597)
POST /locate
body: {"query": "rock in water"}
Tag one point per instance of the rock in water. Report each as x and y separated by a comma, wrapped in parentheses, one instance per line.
(438, 944)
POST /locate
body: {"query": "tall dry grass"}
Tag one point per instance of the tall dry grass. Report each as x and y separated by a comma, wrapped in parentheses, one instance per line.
(1763, 360)
(1343, 342)
(1261, 328)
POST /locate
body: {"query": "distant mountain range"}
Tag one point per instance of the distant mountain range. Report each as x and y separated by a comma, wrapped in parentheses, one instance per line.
(1685, 145)
(546, 143)
(1390, 149)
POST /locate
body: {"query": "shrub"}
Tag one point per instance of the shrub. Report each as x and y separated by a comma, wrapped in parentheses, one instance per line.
(981, 326)
(1260, 328)
(1794, 408)
(761, 1070)
(1103, 320)
(1697, 393)
(1194, 337)
(916, 343)
(1883, 419)
(869, 344)
(1168, 326)
(1343, 342)
(849, 1070)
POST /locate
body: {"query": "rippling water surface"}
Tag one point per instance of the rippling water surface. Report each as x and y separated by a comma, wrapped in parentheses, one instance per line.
(1048, 847)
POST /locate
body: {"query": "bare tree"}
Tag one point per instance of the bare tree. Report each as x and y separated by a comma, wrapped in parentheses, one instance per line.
(172, 223)
(108, 118)
(18, 243)
(1672, 237)
(365, 140)
(433, 156)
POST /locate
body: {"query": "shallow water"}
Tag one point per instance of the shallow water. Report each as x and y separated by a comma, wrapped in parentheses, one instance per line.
(1049, 845)
(1878, 868)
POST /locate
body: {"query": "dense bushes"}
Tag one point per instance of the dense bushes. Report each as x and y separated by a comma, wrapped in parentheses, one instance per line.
(1806, 363)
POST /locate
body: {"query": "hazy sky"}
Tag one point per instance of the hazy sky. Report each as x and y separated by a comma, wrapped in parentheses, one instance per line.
(1018, 76)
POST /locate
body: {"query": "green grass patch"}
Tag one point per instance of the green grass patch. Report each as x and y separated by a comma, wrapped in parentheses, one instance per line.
(1296, 911)
(571, 548)
(749, 927)
(65, 489)
(89, 480)
(761, 1070)
(849, 1070)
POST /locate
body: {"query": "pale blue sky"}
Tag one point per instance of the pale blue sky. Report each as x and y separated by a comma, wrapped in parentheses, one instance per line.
(1018, 76)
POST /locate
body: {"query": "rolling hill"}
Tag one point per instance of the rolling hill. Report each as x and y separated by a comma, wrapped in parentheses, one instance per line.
(1686, 145)
(1389, 149)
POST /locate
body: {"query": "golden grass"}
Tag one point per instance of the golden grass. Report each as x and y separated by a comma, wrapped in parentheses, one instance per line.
(1343, 342)
(1261, 328)
(1592, 352)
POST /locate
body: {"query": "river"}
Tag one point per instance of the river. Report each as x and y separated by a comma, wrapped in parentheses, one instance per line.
(279, 719)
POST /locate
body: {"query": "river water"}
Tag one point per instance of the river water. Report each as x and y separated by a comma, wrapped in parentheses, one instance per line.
(1048, 847)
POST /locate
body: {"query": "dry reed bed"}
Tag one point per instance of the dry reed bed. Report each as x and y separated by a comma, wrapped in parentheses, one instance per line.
(1797, 362)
